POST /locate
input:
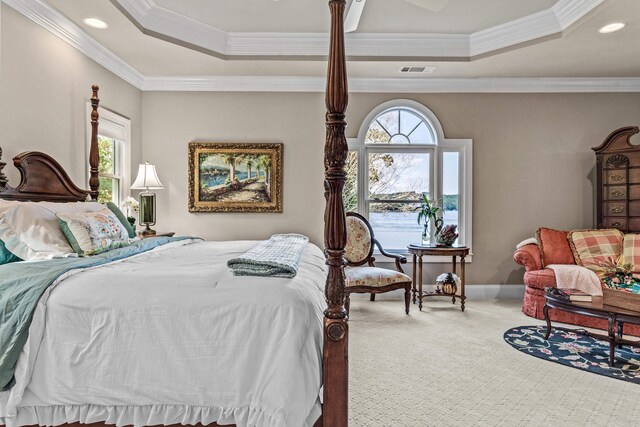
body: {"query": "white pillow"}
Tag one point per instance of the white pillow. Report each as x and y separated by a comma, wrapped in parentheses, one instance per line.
(31, 230)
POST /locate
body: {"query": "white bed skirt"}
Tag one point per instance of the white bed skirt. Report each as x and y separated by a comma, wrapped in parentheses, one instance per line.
(151, 415)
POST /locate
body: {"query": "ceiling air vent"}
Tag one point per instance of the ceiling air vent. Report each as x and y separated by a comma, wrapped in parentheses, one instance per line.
(417, 69)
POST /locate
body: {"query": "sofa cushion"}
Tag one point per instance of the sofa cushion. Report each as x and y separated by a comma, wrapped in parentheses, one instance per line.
(631, 251)
(592, 248)
(540, 279)
(554, 247)
(373, 277)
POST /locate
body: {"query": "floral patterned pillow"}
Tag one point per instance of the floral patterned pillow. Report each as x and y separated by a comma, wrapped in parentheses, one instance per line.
(93, 232)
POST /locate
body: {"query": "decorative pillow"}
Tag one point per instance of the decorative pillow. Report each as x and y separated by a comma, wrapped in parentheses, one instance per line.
(91, 233)
(358, 240)
(554, 247)
(5, 256)
(31, 230)
(592, 248)
(631, 251)
(122, 218)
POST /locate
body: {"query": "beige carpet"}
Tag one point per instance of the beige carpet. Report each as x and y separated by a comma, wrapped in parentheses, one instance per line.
(442, 367)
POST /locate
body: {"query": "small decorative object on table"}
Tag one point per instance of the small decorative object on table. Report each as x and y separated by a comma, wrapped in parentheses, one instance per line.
(621, 286)
(447, 283)
(130, 205)
(428, 210)
(447, 235)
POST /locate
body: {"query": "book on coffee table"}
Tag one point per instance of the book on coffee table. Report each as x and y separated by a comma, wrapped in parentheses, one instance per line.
(576, 295)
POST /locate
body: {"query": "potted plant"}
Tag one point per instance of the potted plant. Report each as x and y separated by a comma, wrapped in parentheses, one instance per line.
(130, 205)
(428, 211)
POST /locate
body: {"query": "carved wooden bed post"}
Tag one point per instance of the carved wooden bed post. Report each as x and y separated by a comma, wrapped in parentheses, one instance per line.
(94, 153)
(3, 177)
(336, 332)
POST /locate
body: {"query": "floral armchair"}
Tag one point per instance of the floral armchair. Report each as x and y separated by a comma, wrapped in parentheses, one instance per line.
(362, 276)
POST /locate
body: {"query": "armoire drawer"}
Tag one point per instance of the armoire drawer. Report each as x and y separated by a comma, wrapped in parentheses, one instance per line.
(615, 177)
(619, 223)
(615, 209)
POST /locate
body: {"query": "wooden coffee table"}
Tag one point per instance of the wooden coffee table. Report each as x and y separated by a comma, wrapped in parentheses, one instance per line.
(616, 318)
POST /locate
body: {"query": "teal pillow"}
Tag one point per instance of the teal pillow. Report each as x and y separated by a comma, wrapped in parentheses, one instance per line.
(122, 218)
(5, 256)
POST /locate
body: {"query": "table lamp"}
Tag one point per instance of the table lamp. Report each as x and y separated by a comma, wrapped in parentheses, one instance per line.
(146, 180)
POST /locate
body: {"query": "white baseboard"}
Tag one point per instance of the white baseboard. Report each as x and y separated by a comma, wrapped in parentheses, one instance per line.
(478, 292)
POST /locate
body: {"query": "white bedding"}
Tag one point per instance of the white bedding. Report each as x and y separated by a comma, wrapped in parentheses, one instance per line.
(171, 336)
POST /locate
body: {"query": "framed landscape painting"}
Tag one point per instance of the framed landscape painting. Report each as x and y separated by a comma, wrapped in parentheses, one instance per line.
(235, 177)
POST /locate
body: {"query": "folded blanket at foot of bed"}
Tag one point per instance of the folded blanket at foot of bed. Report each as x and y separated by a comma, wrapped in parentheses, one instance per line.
(277, 257)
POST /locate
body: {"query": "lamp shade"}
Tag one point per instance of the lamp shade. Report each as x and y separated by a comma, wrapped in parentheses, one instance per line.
(147, 178)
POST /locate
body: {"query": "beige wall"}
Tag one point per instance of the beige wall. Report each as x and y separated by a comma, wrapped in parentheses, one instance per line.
(44, 87)
(172, 120)
(533, 163)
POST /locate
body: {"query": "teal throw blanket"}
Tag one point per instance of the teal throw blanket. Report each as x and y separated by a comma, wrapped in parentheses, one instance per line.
(23, 283)
(277, 257)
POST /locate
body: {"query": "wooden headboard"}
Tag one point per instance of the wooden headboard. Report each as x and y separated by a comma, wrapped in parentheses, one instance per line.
(42, 179)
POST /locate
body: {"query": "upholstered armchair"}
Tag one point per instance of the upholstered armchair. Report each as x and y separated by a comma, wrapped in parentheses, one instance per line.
(361, 272)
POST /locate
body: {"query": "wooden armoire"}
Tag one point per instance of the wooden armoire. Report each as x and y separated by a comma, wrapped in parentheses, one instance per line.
(618, 181)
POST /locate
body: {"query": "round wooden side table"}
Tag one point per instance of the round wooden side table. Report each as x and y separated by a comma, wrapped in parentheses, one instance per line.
(419, 251)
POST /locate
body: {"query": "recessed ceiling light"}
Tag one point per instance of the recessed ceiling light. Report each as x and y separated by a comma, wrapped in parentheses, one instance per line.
(612, 28)
(96, 23)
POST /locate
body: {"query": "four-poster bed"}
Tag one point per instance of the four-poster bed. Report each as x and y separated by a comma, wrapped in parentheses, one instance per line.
(43, 179)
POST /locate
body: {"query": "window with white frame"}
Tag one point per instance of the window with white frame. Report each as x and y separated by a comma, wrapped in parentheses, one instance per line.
(114, 146)
(400, 154)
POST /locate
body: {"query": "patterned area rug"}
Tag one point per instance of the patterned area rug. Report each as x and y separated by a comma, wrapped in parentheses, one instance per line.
(576, 350)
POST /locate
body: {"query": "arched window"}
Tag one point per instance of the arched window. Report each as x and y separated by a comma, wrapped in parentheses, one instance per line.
(399, 126)
(401, 153)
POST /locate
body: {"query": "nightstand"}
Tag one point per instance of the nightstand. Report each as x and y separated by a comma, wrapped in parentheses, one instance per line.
(158, 234)
(418, 251)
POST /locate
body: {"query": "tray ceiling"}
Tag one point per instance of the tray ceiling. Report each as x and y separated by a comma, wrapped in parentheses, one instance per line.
(545, 39)
(379, 16)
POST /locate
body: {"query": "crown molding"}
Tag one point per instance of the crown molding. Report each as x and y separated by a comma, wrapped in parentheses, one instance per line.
(160, 22)
(176, 28)
(359, 46)
(570, 11)
(545, 23)
(53, 21)
(157, 21)
(44, 15)
(521, 30)
(393, 85)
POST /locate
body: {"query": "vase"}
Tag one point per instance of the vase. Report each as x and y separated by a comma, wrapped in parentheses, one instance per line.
(426, 235)
(132, 221)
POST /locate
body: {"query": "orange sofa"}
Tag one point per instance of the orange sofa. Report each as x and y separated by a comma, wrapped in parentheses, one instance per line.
(554, 250)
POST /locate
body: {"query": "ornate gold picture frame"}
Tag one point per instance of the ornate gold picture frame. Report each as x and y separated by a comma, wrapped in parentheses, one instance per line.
(235, 177)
